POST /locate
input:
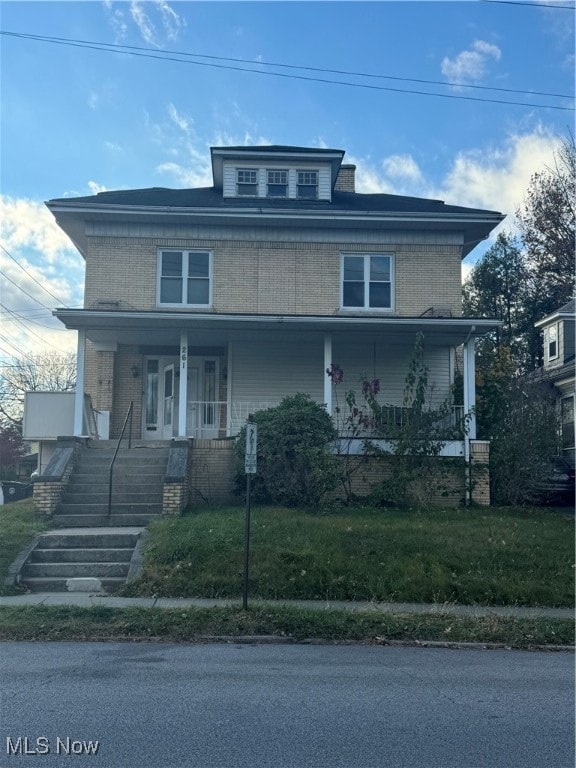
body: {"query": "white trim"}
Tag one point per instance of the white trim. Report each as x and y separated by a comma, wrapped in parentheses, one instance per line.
(79, 396)
(556, 327)
(183, 385)
(184, 277)
(229, 390)
(327, 380)
(366, 275)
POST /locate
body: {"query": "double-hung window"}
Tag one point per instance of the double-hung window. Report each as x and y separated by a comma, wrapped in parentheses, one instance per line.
(307, 184)
(184, 278)
(277, 184)
(247, 182)
(367, 281)
(553, 342)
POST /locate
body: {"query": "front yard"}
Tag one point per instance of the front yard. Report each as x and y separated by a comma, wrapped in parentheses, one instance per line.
(469, 556)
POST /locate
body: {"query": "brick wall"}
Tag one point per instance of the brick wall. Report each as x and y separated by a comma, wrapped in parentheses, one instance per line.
(479, 472)
(345, 181)
(266, 277)
(211, 472)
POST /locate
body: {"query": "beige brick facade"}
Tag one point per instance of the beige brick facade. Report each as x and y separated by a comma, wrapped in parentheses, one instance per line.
(274, 277)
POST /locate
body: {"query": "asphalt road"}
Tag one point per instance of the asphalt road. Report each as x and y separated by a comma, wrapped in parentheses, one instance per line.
(283, 706)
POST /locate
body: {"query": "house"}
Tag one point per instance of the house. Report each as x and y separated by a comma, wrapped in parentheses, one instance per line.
(204, 305)
(558, 330)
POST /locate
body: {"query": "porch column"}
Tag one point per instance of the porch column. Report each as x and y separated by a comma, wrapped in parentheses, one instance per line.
(79, 396)
(183, 388)
(470, 387)
(327, 379)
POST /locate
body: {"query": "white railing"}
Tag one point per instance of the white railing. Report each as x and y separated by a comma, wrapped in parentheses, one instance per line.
(211, 419)
(393, 417)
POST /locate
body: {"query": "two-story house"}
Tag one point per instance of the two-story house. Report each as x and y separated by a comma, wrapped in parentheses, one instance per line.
(204, 305)
(558, 330)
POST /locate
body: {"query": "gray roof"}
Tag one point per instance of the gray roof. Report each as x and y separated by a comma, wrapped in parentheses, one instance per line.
(210, 197)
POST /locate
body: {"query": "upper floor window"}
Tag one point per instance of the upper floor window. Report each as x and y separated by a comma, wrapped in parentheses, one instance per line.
(307, 184)
(553, 342)
(185, 278)
(247, 182)
(367, 281)
(277, 184)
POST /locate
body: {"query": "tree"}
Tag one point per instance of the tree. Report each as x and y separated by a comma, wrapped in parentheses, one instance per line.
(10, 449)
(47, 371)
(498, 287)
(547, 226)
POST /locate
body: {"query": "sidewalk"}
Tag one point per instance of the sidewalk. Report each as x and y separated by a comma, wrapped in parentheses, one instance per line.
(85, 599)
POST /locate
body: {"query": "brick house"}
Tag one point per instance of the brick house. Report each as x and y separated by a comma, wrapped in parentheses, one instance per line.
(203, 305)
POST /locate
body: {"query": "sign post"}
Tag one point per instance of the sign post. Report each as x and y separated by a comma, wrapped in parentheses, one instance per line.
(250, 469)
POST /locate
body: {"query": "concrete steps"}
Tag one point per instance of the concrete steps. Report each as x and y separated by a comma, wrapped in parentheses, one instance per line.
(65, 561)
(137, 487)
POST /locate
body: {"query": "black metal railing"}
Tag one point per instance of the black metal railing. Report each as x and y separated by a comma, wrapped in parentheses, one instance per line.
(127, 420)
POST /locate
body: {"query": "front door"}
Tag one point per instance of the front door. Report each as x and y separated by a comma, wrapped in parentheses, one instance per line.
(168, 403)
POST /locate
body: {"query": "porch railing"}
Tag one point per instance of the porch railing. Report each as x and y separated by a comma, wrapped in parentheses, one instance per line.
(209, 419)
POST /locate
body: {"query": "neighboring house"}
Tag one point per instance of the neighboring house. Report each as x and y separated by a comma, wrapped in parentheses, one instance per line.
(558, 369)
(204, 305)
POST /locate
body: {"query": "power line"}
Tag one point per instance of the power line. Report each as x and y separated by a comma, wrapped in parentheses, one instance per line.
(565, 7)
(107, 48)
(26, 292)
(59, 301)
(33, 333)
(13, 313)
(113, 47)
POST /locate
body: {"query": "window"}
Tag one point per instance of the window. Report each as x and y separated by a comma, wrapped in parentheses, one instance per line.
(307, 184)
(553, 342)
(367, 281)
(184, 278)
(247, 182)
(277, 184)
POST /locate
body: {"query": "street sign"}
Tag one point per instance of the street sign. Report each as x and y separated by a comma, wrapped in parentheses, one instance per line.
(251, 449)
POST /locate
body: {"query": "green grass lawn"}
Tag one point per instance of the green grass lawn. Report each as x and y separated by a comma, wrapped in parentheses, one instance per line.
(469, 556)
(19, 522)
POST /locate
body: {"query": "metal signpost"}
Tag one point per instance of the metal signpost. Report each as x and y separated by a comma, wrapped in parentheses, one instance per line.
(250, 469)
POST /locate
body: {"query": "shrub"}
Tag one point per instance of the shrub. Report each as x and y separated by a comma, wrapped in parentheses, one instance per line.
(295, 466)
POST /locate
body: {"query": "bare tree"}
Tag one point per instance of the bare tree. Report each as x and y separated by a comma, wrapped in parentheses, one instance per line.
(47, 371)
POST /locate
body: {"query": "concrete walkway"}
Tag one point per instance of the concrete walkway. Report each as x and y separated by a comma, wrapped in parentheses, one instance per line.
(83, 599)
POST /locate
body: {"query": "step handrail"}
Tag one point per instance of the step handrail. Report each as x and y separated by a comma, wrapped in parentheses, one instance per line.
(127, 420)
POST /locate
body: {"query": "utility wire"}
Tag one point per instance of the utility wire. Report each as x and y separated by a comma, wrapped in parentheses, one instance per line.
(565, 7)
(105, 47)
(59, 301)
(126, 48)
(33, 333)
(6, 310)
(24, 291)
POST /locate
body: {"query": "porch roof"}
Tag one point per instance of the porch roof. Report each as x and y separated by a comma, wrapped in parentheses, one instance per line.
(153, 327)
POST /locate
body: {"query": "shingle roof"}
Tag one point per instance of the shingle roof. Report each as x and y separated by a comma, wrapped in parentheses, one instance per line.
(209, 197)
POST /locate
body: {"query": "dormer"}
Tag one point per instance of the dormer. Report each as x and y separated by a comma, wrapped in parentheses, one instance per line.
(558, 336)
(276, 172)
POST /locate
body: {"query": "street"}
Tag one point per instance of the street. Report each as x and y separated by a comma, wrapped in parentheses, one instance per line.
(153, 705)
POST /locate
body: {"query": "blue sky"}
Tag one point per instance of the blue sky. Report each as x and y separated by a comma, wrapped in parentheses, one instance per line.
(75, 121)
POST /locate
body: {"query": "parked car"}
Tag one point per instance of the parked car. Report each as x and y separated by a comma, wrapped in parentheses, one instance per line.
(557, 487)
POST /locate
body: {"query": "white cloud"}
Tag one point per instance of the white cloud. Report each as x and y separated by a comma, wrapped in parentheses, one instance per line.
(93, 100)
(181, 121)
(112, 147)
(155, 14)
(470, 66)
(94, 187)
(50, 274)
(402, 167)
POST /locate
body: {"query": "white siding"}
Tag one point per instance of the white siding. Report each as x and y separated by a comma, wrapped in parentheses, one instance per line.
(268, 369)
(324, 184)
(229, 181)
(389, 363)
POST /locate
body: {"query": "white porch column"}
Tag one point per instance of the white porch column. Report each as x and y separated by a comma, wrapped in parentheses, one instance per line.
(79, 397)
(183, 387)
(229, 391)
(470, 387)
(327, 379)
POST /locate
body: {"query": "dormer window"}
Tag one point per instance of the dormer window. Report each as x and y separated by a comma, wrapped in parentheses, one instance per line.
(246, 182)
(277, 184)
(553, 342)
(307, 185)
